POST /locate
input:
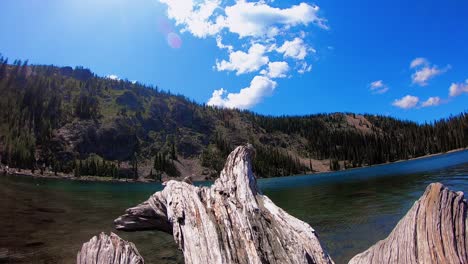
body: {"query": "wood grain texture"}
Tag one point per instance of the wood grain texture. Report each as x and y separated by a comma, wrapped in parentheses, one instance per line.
(229, 222)
(433, 231)
(105, 249)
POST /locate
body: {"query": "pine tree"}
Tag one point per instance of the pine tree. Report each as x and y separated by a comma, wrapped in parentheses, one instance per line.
(173, 152)
(77, 168)
(135, 166)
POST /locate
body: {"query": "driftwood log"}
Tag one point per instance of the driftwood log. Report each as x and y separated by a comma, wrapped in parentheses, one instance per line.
(104, 249)
(230, 222)
(433, 231)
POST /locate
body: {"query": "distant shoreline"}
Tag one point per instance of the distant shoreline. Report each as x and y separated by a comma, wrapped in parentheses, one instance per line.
(71, 177)
(403, 160)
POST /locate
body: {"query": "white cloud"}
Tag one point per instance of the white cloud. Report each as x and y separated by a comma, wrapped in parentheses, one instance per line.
(425, 71)
(377, 84)
(277, 69)
(113, 77)
(418, 62)
(249, 19)
(423, 75)
(378, 87)
(243, 62)
(260, 86)
(432, 101)
(406, 102)
(219, 44)
(295, 49)
(217, 98)
(251, 32)
(304, 67)
(195, 17)
(457, 89)
(246, 19)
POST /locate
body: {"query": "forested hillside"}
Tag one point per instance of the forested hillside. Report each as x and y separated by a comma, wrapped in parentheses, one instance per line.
(70, 120)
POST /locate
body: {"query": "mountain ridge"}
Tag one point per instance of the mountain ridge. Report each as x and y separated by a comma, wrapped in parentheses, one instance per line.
(70, 120)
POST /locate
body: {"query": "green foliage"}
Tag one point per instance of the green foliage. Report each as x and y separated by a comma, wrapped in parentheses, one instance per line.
(44, 108)
(215, 154)
(334, 165)
(173, 151)
(95, 166)
(270, 162)
(164, 165)
(212, 158)
(135, 166)
(388, 139)
(86, 106)
(20, 150)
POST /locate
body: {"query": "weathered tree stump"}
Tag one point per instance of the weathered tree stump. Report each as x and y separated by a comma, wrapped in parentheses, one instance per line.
(229, 222)
(433, 231)
(108, 250)
(232, 222)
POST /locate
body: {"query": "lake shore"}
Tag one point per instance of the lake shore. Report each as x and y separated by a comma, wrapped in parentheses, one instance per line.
(403, 160)
(71, 177)
(64, 176)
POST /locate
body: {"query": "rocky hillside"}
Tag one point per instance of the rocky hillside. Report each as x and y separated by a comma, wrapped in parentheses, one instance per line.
(70, 120)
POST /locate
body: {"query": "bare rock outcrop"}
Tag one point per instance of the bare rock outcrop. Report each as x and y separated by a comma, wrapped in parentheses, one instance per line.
(229, 222)
(104, 249)
(433, 231)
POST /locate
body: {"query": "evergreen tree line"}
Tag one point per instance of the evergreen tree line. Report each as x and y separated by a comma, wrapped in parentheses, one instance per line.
(162, 164)
(215, 154)
(388, 139)
(96, 166)
(38, 100)
(334, 165)
(270, 161)
(30, 110)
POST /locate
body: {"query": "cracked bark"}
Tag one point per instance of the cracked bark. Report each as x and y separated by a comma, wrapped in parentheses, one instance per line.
(433, 231)
(229, 222)
(104, 249)
(232, 222)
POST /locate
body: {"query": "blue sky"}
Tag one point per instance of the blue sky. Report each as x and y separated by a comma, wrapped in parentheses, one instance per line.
(406, 59)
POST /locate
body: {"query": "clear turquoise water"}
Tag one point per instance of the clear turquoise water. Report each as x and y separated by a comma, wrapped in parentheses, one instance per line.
(46, 221)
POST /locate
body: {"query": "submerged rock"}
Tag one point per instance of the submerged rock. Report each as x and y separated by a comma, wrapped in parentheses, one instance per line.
(104, 249)
(229, 222)
(433, 231)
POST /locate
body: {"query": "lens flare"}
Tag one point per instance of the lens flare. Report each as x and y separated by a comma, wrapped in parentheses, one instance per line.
(174, 40)
(164, 26)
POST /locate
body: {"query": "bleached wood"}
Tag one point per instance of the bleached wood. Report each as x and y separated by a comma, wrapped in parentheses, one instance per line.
(433, 231)
(229, 222)
(104, 249)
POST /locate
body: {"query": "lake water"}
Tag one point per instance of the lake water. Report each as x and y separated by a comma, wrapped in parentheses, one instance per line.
(46, 221)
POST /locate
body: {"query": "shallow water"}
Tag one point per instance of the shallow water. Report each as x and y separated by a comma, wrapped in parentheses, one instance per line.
(46, 221)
